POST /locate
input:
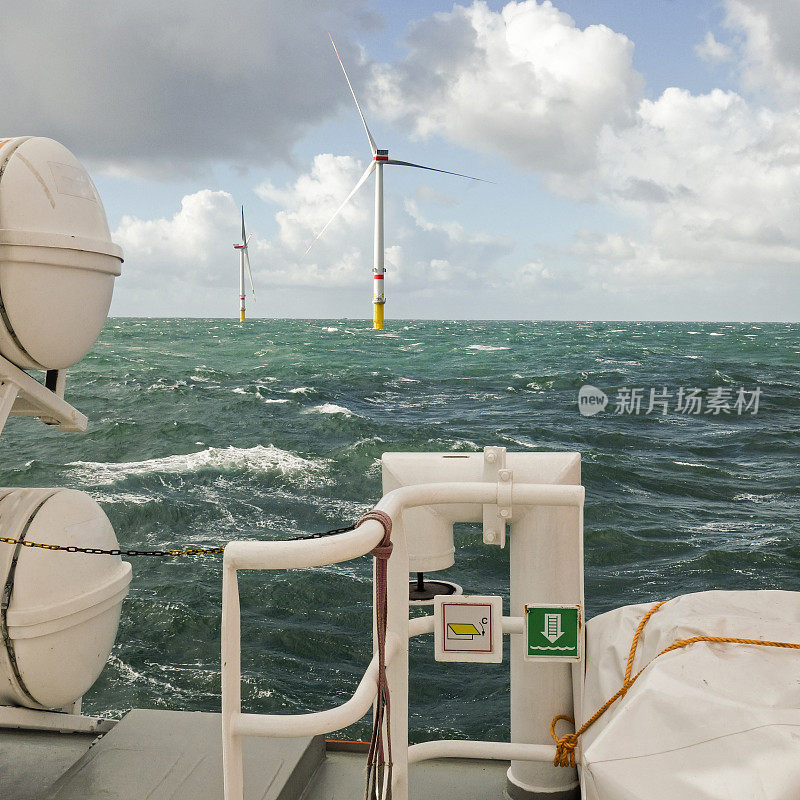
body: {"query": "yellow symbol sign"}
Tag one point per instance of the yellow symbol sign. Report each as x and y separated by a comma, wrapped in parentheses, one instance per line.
(462, 630)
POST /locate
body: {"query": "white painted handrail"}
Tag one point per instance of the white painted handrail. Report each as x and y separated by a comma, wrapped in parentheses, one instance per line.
(332, 719)
(499, 751)
(336, 549)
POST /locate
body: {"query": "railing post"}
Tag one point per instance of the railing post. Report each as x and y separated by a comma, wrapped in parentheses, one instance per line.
(232, 769)
(546, 566)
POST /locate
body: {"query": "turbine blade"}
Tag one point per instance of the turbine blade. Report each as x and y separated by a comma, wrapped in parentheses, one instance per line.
(372, 146)
(250, 271)
(244, 239)
(367, 173)
(433, 169)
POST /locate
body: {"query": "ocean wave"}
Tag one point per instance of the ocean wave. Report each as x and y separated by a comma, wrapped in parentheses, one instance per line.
(250, 459)
(485, 347)
(301, 390)
(329, 408)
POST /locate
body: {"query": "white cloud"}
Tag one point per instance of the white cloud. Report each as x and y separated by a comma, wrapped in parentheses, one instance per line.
(706, 183)
(534, 273)
(713, 51)
(710, 180)
(771, 45)
(186, 248)
(525, 82)
(152, 88)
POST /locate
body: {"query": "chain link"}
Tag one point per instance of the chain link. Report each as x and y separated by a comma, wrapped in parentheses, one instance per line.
(191, 551)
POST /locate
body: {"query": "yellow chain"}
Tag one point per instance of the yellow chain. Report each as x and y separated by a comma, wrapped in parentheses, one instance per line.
(192, 551)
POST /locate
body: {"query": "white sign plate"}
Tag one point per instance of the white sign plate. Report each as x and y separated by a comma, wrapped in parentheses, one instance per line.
(468, 628)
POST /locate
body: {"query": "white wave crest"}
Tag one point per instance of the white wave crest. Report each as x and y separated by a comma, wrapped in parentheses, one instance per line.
(486, 347)
(251, 459)
(330, 408)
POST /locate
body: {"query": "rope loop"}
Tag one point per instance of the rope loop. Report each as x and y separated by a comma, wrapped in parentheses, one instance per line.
(565, 745)
(384, 548)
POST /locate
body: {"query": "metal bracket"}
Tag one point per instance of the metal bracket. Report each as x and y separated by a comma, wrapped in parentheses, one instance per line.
(496, 515)
(21, 395)
(35, 720)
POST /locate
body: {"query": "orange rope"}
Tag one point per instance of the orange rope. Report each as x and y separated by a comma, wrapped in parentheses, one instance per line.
(566, 744)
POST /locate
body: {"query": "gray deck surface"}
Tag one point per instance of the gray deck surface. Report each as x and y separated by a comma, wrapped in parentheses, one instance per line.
(342, 777)
(177, 755)
(174, 755)
(31, 760)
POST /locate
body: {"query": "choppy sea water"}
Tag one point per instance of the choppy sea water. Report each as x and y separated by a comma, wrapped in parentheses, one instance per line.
(203, 431)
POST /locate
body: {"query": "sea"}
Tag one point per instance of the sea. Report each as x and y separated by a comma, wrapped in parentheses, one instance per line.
(204, 431)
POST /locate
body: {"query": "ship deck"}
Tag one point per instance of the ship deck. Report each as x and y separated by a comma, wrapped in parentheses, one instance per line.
(174, 755)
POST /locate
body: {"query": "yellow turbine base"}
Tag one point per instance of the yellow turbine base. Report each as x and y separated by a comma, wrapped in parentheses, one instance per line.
(377, 316)
(241, 315)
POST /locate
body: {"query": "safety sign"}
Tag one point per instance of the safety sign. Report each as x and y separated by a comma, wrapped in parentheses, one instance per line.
(553, 633)
(468, 628)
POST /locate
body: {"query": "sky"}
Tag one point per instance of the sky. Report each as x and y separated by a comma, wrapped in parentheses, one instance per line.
(641, 159)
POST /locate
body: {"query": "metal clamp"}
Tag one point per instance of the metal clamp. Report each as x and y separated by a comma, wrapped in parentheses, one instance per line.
(495, 516)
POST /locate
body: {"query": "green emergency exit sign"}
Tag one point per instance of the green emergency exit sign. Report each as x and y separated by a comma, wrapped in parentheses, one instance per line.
(553, 632)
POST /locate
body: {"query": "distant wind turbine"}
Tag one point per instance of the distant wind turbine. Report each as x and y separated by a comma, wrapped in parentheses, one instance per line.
(379, 158)
(244, 257)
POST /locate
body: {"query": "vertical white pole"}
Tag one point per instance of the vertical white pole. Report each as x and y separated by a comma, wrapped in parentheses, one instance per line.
(546, 546)
(378, 295)
(241, 284)
(232, 768)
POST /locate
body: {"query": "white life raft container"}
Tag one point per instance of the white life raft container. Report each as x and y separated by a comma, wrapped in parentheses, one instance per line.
(60, 611)
(707, 721)
(57, 260)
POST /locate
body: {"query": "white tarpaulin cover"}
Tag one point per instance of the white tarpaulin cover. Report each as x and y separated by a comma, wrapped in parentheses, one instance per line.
(706, 721)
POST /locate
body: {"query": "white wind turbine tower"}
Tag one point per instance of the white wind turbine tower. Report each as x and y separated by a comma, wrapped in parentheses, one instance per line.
(379, 159)
(244, 257)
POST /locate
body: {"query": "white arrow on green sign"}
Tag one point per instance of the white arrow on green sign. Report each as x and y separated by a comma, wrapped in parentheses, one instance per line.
(553, 632)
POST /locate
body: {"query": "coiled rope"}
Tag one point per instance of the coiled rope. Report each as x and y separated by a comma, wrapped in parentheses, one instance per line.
(566, 744)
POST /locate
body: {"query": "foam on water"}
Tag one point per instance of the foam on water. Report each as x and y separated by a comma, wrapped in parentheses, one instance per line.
(253, 459)
(330, 408)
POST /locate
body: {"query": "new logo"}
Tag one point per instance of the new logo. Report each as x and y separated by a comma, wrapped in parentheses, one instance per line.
(591, 400)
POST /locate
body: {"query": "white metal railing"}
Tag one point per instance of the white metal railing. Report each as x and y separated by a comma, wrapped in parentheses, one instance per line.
(345, 547)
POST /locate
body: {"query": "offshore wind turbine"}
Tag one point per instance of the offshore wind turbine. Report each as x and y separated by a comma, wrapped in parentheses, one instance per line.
(379, 159)
(244, 257)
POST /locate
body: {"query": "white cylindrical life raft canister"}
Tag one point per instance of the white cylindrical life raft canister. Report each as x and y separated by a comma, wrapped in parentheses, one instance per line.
(60, 610)
(57, 260)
